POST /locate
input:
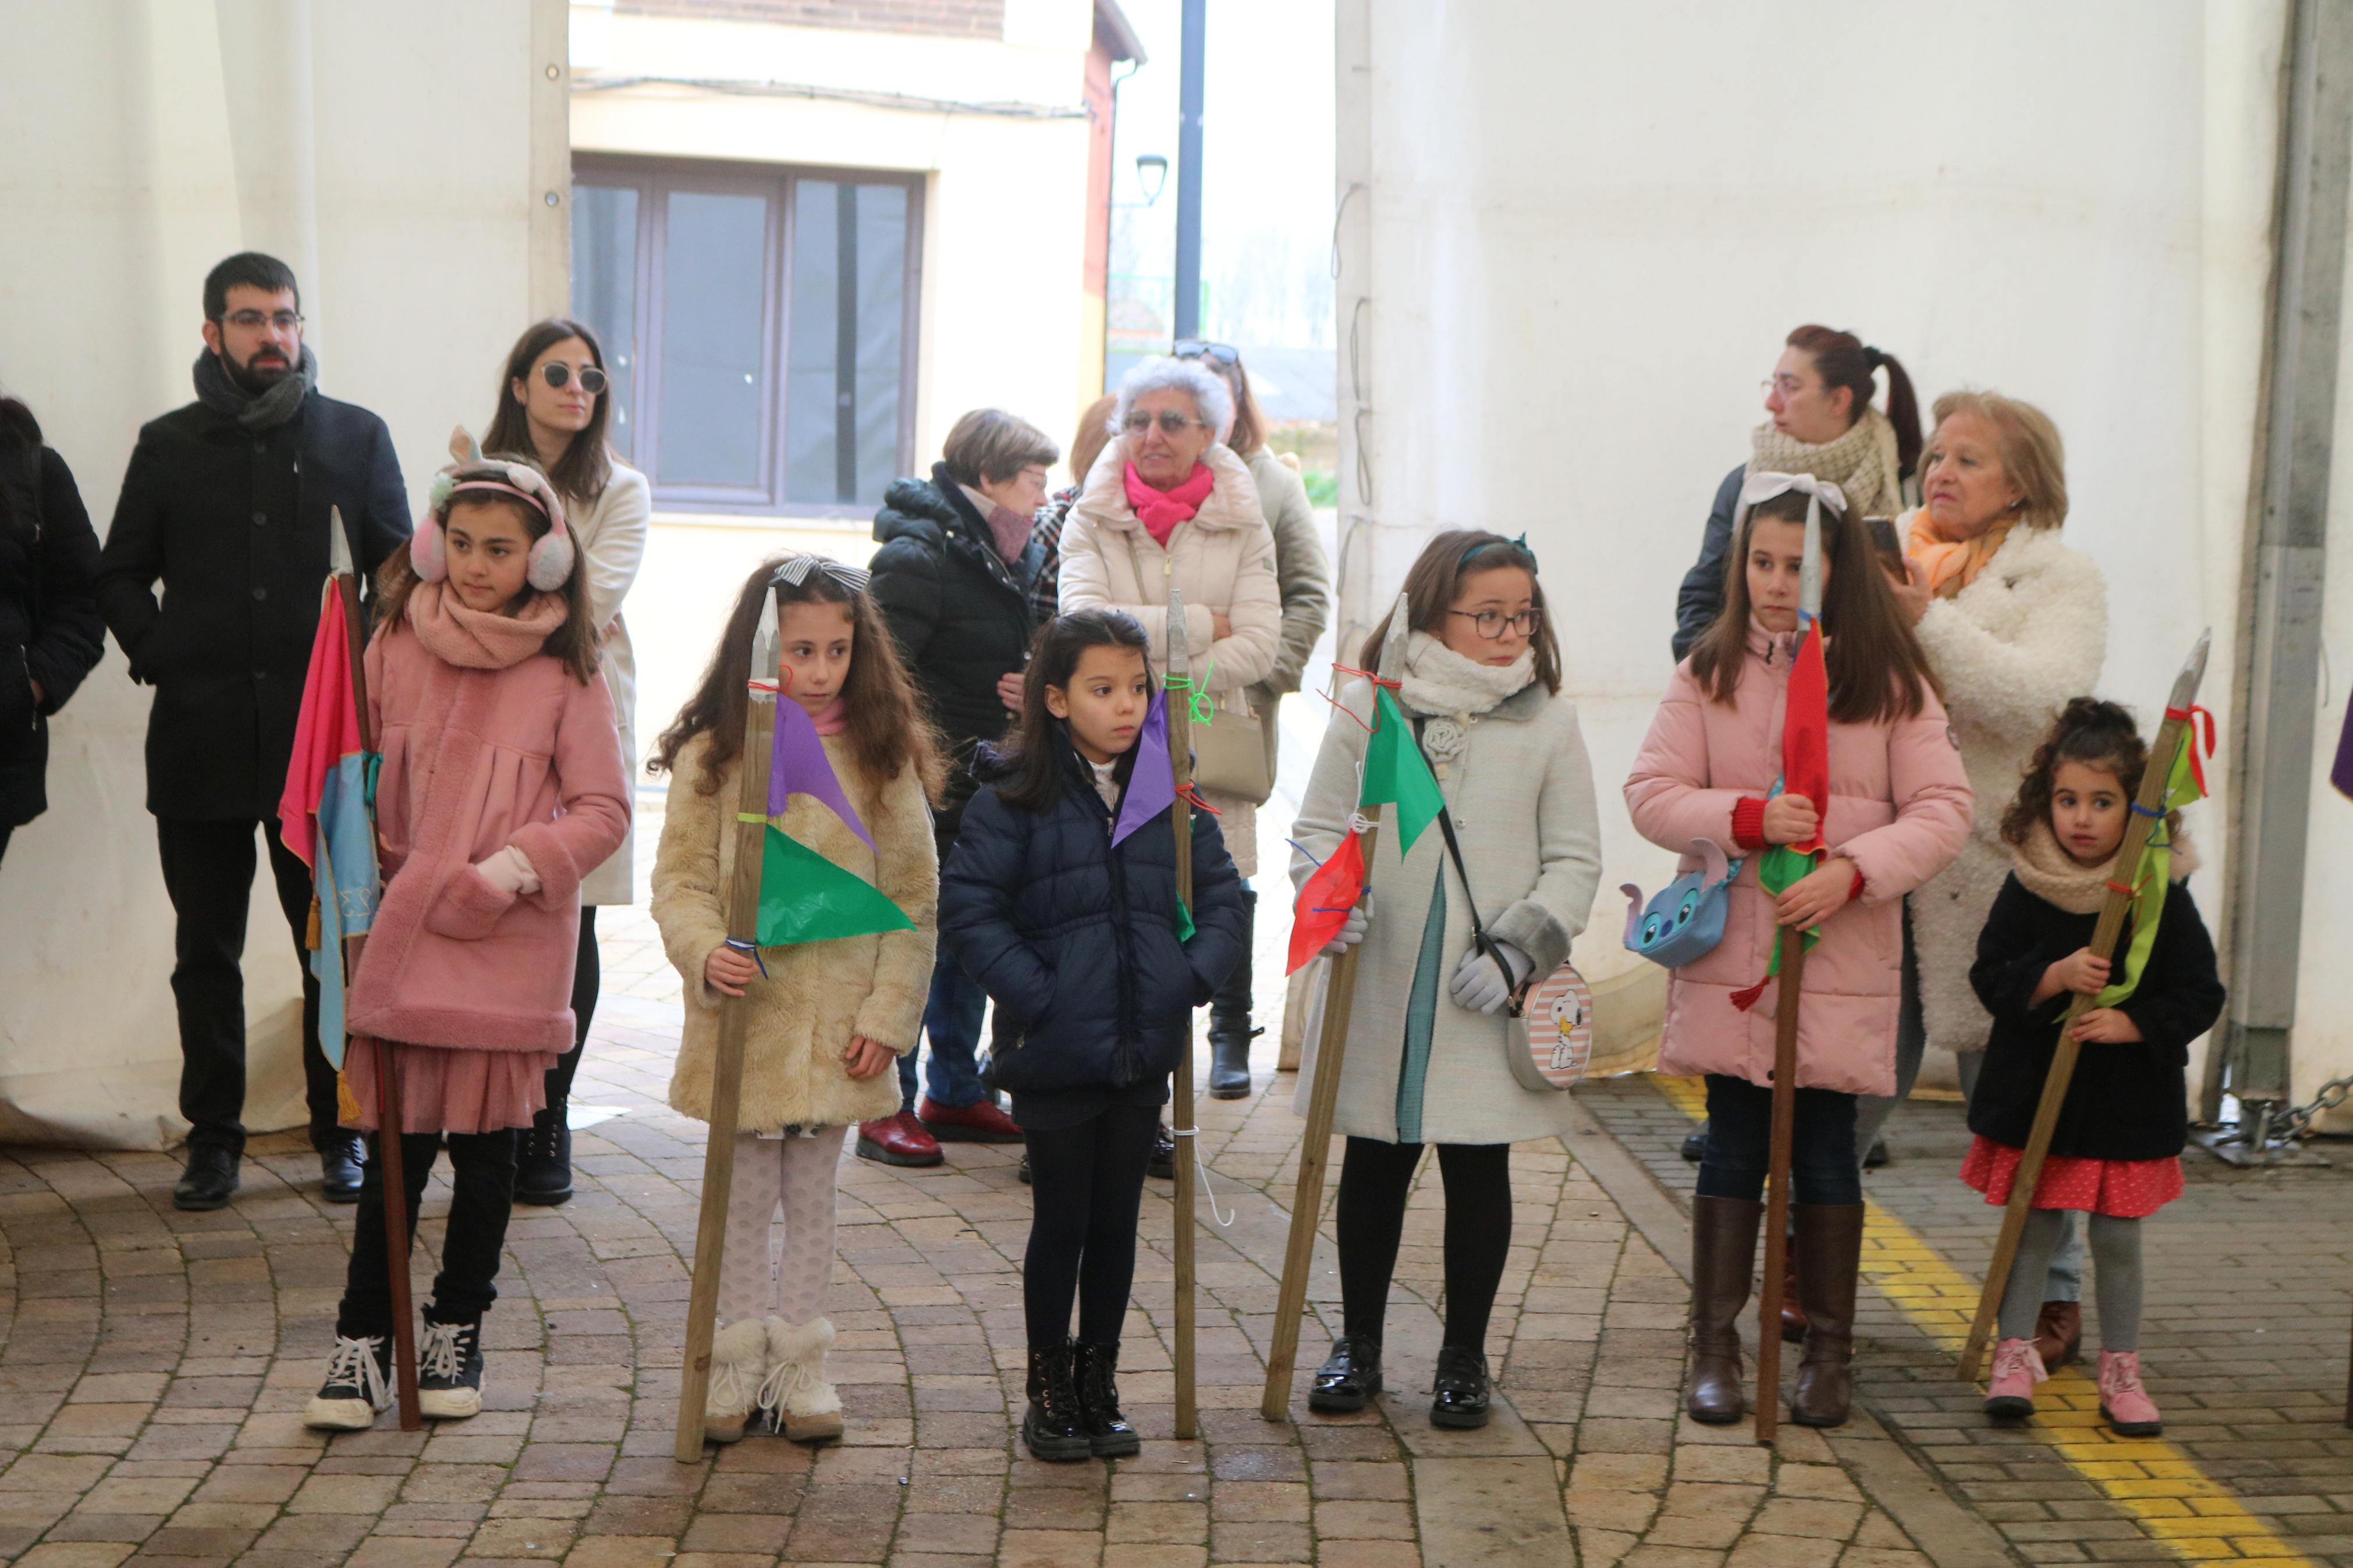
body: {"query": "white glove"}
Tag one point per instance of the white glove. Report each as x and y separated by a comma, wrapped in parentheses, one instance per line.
(1350, 934)
(1480, 986)
(510, 872)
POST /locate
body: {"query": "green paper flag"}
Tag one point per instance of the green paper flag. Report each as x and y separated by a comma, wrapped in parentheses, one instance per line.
(2183, 785)
(1396, 773)
(1184, 922)
(803, 897)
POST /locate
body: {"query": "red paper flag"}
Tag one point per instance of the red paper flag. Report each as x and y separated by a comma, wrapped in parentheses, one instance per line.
(1324, 902)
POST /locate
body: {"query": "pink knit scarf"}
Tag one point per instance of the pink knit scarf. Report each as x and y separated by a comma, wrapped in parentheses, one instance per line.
(482, 639)
(1161, 511)
(833, 718)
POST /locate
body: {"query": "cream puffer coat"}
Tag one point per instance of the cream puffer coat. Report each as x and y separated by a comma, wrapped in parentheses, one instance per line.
(1222, 560)
(611, 531)
(2010, 649)
(815, 994)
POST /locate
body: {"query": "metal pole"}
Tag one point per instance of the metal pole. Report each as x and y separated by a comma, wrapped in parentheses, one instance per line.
(1188, 170)
(1178, 708)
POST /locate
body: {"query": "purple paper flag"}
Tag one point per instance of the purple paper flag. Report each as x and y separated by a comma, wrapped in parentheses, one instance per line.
(798, 766)
(2341, 775)
(1151, 786)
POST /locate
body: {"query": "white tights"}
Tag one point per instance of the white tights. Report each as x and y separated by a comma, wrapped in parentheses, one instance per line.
(798, 1174)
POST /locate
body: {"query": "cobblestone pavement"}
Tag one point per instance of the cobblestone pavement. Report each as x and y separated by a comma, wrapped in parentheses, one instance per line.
(2243, 1344)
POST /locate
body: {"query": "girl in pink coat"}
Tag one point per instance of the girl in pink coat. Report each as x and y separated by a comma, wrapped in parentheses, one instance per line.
(1897, 814)
(501, 784)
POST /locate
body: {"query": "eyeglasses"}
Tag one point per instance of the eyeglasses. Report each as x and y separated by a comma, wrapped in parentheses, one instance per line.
(558, 375)
(1490, 622)
(254, 320)
(1171, 422)
(1220, 354)
(1787, 384)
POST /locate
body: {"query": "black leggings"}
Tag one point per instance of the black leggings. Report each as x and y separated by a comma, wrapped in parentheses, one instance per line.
(1740, 1142)
(1086, 1185)
(481, 1175)
(1375, 1179)
(588, 974)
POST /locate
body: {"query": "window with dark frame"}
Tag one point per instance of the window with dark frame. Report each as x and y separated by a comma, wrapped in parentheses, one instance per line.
(758, 325)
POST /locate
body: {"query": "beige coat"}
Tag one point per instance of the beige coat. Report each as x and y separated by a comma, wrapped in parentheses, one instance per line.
(1223, 560)
(612, 538)
(1521, 794)
(815, 994)
(1306, 580)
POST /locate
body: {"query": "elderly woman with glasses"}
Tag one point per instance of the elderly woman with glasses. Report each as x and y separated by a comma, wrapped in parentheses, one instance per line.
(1167, 505)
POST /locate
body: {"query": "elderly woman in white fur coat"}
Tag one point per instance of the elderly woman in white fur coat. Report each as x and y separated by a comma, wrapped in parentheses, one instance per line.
(2014, 623)
(1425, 1060)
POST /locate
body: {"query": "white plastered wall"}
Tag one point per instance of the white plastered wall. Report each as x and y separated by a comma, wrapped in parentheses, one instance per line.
(394, 170)
(1587, 227)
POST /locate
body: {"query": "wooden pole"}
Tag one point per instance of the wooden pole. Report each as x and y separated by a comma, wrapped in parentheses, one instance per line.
(1315, 1146)
(727, 1070)
(2147, 810)
(392, 1172)
(1180, 818)
(1776, 1175)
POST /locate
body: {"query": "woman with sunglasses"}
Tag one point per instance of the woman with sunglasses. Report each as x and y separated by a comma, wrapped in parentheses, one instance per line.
(553, 410)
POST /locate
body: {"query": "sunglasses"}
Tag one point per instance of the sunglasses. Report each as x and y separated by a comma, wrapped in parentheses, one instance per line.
(558, 375)
(1220, 354)
(1170, 420)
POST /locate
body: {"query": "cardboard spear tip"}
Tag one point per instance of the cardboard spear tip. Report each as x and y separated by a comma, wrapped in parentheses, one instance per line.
(339, 545)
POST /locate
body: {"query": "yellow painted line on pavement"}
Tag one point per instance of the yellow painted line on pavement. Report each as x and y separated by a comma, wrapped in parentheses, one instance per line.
(2174, 1502)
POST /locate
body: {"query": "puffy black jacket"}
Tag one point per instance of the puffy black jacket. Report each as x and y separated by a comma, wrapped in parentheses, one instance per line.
(958, 612)
(1076, 941)
(2125, 1102)
(49, 627)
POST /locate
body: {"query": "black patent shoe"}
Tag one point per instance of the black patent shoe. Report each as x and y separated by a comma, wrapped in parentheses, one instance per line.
(208, 1180)
(1459, 1391)
(1164, 1154)
(340, 1161)
(543, 1164)
(1694, 1147)
(1055, 1428)
(1109, 1434)
(1349, 1378)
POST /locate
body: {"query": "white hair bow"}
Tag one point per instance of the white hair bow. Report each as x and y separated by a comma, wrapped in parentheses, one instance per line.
(1766, 484)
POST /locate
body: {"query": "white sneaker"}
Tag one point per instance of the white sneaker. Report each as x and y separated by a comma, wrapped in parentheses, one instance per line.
(806, 1407)
(736, 1352)
(358, 1386)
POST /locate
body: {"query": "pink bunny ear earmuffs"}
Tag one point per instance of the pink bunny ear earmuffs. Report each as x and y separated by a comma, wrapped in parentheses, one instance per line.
(552, 555)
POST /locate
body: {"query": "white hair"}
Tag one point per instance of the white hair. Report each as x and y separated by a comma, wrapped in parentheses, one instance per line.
(1213, 400)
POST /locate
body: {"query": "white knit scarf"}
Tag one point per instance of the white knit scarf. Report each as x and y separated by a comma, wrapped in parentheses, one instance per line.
(1439, 680)
(1862, 462)
(2045, 869)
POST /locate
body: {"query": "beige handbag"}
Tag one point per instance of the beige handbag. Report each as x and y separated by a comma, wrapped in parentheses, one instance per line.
(1230, 750)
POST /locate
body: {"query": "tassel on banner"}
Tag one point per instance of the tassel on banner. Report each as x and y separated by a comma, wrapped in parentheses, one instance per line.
(347, 1105)
(311, 931)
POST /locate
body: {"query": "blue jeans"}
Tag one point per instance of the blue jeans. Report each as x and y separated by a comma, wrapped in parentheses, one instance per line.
(951, 1018)
(1739, 1143)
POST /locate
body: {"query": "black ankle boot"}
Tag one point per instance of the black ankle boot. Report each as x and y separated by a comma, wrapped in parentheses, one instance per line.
(1229, 1020)
(1349, 1378)
(1055, 1427)
(1460, 1390)
(1109, 1435)
(543, 1164)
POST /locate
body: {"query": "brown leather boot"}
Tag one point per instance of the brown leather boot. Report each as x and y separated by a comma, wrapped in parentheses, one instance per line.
(1723, 1257)
(1830, 1254)
(2058, 1333)
(1793, 1310)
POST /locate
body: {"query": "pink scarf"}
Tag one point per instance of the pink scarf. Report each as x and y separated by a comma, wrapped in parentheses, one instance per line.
(1161, 511)
(833, 718)
(482, 639)
(1009, 529)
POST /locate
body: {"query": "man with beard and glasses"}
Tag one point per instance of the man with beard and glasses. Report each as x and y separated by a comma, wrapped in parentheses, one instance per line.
(225, 503)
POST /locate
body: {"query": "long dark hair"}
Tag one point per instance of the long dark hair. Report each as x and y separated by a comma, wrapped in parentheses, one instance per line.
(574, 642)
(884, 723)
(17, 423)
(1876, 667)
(2097, 734)
(1844, 359)
(581, 474)
(1436, 581)
(1054, 655)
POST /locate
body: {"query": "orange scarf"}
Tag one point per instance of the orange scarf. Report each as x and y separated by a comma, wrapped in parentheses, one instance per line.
(1953, 565)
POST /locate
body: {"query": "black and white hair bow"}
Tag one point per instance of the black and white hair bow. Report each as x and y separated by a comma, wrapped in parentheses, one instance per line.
(795, 571)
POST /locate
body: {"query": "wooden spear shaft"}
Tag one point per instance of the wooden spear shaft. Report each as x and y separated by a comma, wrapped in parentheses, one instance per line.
(734, 1021)
(1776, 1175)
(392, 1173)
(1178, 707)
(2142, 821)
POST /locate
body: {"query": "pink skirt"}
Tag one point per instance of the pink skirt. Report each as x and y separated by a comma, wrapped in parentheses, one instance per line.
(2122, 1189)
(444, 1090)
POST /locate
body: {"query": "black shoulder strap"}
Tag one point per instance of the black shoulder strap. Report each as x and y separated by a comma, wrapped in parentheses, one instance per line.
(1485, 943)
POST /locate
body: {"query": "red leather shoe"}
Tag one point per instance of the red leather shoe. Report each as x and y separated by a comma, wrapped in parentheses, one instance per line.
(897, 1141)
(979, 1122)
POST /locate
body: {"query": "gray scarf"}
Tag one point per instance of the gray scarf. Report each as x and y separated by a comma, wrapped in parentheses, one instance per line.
(266, 410)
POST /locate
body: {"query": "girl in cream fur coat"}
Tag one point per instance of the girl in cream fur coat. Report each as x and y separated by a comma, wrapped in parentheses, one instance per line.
(829, 1018)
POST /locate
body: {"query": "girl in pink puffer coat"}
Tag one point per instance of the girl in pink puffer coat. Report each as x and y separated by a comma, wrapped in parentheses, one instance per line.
(1897, 814)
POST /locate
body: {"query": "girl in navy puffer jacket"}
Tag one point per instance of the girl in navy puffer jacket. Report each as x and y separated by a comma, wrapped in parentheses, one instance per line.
(1076, 940)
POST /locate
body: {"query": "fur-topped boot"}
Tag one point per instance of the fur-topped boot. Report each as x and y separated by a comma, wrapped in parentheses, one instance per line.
(805, 1406)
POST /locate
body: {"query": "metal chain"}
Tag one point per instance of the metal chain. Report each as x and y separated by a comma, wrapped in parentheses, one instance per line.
(2294, 1121)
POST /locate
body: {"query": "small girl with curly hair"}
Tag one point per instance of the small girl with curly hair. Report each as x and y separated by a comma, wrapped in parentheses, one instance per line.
(2115, 1153)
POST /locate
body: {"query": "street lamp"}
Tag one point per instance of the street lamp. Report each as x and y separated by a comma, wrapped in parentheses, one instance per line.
(1151, 175)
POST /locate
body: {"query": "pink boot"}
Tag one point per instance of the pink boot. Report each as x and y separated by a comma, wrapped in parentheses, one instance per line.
(2123, 1400)
(2016, 1370)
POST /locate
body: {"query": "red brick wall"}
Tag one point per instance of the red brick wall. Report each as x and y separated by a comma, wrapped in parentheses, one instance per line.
(955, 18)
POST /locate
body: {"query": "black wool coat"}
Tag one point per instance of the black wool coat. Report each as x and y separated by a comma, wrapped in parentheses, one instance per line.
(959, 613)
(49, 627)
(232, 524)
(2126, 1101)
(1076, 940)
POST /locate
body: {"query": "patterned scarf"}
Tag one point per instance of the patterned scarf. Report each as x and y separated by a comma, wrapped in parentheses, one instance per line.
(1953, 563)
(1862, 462)
(1161, 511)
